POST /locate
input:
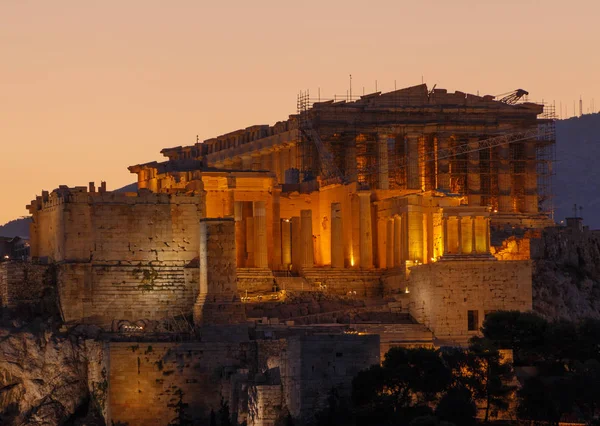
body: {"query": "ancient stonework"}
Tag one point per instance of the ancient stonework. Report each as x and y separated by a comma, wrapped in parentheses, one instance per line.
(265, 266)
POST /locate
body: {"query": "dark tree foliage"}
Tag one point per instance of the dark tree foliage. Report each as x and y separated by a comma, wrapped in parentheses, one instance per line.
(402, 388)
(337, 412)
(181, 416)
(490, 377)
(457, 406)
(224, 417)
(523, 332)
(566, 357)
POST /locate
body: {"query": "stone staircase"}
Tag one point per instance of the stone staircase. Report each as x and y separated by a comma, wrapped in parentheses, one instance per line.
(255, 280)
(365, 282)
(293, 284)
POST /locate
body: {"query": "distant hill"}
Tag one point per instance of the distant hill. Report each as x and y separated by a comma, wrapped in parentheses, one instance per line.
(577, 179)
(132, 187)
(16, 228)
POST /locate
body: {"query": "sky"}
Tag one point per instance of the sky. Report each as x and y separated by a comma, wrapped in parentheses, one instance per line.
(88, 88)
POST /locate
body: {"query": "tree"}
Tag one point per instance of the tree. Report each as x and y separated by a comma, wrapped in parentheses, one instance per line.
(404, 387)
(224, 417)
(586, 385)
(457, 406)
(181, 417)
(546, 399)
(491, 377)
(336, 412)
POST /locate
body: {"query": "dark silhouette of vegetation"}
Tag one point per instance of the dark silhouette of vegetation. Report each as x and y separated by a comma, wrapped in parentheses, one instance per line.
(564, 358)
(411, 382)
(224, 417)
(180, 407)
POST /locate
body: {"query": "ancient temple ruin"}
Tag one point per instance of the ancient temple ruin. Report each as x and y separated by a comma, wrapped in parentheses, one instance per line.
(384, 204)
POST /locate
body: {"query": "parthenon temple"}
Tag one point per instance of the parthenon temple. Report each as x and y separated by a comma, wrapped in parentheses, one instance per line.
(411, 176)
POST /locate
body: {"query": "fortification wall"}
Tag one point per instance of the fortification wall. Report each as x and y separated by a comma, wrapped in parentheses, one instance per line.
(145, 380)
(74, 225)
(443, 293)
(101, 294)
(21, 283)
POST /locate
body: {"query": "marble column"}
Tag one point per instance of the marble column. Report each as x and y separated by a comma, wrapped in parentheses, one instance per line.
(398, 241)
(351, 172)
(473, 235)
(276, 261)
(504, 180)
(240, 234)
(415, 235)
(276, 164)
(531, 189)
(459, 233)
(474, 174)
(445, 231)
(286, 243)
(284, 160)
(487, 234)
(297, 249)
(443, 164)
(260, 235)
(413, 180)
(382, 160)
(293, 157)
(365, 232)
(337, 236)
(306, 238)
(389, 243)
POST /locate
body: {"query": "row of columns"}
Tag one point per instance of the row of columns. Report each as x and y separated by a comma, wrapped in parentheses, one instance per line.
(456, 236)
(415, 148)
(251, 234)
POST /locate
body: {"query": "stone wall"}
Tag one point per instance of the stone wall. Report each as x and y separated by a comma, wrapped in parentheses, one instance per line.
(74, 225)
(442, 293)
(145, 378)
(313, 365)
(22, 283)
(102, 294)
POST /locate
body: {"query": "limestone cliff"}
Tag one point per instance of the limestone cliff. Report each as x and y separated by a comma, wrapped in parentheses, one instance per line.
(47, 378)
(566, 276)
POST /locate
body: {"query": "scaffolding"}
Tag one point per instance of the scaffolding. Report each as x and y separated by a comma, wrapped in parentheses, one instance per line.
(475, 160)
(546, 159)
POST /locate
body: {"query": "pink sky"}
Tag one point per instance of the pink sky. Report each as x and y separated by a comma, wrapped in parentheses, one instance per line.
(90, 87)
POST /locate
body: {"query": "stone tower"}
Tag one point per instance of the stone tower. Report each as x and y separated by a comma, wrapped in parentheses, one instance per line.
(218, 302)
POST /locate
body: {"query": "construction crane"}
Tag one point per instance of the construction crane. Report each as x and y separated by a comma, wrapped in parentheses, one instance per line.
(513, 97)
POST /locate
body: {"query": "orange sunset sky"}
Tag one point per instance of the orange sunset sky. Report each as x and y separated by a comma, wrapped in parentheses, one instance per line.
(89, 87)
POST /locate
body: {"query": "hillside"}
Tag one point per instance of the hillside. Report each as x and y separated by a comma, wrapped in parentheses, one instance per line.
(577, 172)
(16, 228)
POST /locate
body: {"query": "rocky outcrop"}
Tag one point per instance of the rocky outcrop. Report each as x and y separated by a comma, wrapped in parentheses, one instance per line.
(566, 276)
(48, 378)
